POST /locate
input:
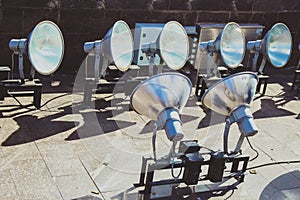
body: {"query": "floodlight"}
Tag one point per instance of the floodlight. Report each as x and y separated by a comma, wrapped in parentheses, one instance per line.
(230, 44)
(172, 46)
(44, 48)
(145, 33)
(232, 97)
(161, 98)
(276, 46)
(116, 46)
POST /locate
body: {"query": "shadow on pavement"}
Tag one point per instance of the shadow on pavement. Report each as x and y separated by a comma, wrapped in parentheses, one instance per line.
(286, 186)
(32, 128)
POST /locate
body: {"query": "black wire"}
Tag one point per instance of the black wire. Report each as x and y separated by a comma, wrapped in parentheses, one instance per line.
(68, 93)
(257, 154)
(16, 100)
(267, 164)
(207, 148)
(172, 170)
(232, 192)
(274, 163)
(23, 106)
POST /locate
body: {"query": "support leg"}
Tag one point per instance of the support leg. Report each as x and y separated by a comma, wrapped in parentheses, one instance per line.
(37, 96)
(148, 186)
(88, 90)
(2, 91)
(203, 88)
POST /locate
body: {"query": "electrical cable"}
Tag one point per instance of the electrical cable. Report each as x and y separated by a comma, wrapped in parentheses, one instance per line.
(172, 153)
(257, 154)
(172, 169)
(267, 164)
(68, 93)
(207, 148)
(23, 106)
(274, 163)
(232, 192)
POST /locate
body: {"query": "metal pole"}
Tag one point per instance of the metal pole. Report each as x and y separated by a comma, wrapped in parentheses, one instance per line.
(97, 61)
(151, 64)
(262, 65)
(225, 137)
(239, 143)
(21, 69)
(154, 140)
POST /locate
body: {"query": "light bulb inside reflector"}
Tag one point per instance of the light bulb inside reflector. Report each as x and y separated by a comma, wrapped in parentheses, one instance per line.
(121, 45)
(45, 47)
(116, 46)
(174, 45)
(232, 45)
(278, 45)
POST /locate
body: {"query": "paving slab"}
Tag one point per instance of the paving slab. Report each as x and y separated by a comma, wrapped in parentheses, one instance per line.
(75, 186)
(66, 151)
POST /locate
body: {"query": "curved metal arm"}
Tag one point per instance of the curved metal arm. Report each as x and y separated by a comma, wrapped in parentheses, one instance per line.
(225, 136)
(154, 141)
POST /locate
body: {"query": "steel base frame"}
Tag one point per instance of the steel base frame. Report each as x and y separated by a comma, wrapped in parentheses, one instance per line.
(17, 87)
(148, 170)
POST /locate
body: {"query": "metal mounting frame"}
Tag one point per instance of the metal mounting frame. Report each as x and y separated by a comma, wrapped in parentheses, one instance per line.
(148, 171)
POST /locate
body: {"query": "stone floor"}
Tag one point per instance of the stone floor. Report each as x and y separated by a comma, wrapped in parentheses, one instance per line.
(67, 151)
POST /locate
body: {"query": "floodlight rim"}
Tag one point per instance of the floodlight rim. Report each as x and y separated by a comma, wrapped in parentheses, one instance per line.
(224, 79)
(153, 77)
(244, 44)
(187, 42)
(267, 43)
(62, 40)
(131, 39)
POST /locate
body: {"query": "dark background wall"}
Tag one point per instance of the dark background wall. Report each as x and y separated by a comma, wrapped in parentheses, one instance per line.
(87, 20)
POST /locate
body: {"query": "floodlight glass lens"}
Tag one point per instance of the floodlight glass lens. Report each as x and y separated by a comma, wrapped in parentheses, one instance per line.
(279, 45)
(46, 47)
(232, 45)
(122, 45)
(174, 45)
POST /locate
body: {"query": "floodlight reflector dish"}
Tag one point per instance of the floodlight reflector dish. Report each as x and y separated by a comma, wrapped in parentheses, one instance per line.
(160, 91)
(229, 93)
(174, 45)
(45, 47)
(161, 98)
(232, 45)
(232, 96)
(278, 45)
(119, 42)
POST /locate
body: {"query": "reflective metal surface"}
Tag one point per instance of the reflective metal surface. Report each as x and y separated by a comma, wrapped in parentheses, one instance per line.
(210, 31)
(18, 45)
(231, 92)
(278, 45)
(45, 47)
(117, 45)
(232, 45)
(159, 92)
(145, 33)
(244, 118)
(174, 45)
